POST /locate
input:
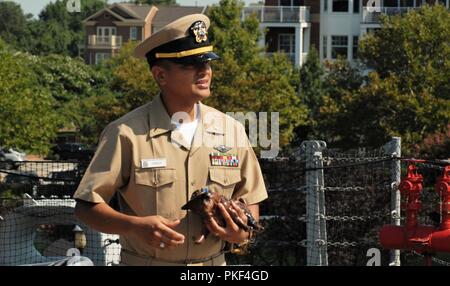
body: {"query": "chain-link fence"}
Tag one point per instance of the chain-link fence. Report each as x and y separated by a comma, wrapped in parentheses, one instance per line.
(325, 207)
(37, 222)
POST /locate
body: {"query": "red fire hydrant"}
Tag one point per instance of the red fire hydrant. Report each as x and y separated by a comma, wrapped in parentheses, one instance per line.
(421, 238)
(443, 189)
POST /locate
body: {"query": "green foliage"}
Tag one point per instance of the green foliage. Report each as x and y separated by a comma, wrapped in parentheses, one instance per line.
(13, 24)
(380, 110)
(312, 87)
(59, 31)
(406, 95)
(245, 81)
(416, 48)
(70, 82)
(342, 76)
(28, 120)
(56, 32)
(95, 112)
(68, 78)
(132, 78)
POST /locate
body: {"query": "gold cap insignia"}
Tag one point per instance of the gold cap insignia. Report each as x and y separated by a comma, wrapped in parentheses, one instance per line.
(199, 31)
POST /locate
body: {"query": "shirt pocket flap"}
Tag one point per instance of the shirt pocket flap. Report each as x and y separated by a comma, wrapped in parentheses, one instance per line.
(155, 177)
(225, 176)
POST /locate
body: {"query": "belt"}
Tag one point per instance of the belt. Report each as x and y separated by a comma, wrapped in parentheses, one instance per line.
(137, 259)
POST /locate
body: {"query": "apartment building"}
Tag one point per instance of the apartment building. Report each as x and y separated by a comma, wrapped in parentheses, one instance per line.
(334, 27)
(291, 26)
(110, 27)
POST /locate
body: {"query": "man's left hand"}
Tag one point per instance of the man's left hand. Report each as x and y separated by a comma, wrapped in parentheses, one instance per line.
(231, 232)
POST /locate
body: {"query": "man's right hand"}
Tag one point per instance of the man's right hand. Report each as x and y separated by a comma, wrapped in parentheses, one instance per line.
(153, 230)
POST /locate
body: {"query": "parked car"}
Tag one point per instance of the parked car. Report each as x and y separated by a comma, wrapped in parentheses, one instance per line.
(10, 158)
(73, 151)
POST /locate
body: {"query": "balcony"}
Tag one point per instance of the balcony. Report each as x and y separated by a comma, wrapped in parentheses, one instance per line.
(104, 41)
(278, 14)
(373, 14)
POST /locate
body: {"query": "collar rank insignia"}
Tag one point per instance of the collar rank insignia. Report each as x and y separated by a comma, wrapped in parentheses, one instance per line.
(222, 148)
(199, 31)
(221, 159)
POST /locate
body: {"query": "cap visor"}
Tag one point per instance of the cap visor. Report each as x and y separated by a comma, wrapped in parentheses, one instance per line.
(192, 60)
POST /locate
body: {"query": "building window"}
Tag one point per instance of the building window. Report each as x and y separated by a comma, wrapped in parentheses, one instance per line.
(390, 3)
(356, 6)
(325, 5)
(339, 45)
(286, 43)
(99, 57)
(325, 47)
(355, 47)
(407, 3)
(340, 5)
(106, 31)
(133, 33)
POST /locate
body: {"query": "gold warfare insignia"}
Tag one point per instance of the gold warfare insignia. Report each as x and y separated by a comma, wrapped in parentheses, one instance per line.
(222, 148)
(199, 31)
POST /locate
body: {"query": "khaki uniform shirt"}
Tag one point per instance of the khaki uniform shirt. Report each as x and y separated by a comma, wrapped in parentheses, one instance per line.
(122, 164)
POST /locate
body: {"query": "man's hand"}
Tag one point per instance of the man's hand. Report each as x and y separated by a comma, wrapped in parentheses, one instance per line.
(232, 232)
(153, 230)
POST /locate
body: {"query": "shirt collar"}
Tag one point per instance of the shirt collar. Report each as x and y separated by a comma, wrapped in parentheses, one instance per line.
(160, 121)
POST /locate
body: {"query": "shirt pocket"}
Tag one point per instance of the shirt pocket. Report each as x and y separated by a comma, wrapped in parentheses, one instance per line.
(224, 179)
(158, 191)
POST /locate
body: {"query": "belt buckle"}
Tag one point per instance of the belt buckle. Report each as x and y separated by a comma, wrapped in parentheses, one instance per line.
(195, 264)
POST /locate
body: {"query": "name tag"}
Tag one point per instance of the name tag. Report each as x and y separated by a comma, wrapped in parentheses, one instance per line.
(153, 163)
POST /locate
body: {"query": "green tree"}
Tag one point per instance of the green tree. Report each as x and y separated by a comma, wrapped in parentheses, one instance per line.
(13, 24)
(407, 92)
(246, 81)
(70, 81)
(28, 120)
(131, 78)
(341, 76)
(58, 31)
(312, 90)
(312, 85)
(341, 80)
(415, 48)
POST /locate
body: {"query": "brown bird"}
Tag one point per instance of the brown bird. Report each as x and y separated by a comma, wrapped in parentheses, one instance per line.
(205, 204)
